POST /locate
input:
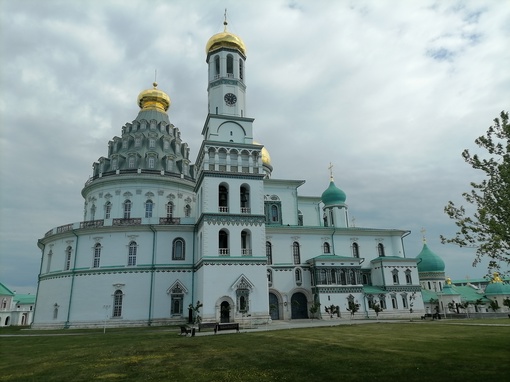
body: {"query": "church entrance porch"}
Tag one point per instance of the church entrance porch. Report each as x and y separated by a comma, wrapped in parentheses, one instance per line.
(299, 306)
(224, 312)
(274, 309)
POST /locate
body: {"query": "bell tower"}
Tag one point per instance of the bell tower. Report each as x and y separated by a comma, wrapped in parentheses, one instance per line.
(230, 263)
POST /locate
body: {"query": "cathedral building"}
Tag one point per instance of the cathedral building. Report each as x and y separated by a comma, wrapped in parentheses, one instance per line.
(161, 233)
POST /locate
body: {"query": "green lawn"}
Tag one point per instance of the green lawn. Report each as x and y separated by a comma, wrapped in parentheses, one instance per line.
(407, 351)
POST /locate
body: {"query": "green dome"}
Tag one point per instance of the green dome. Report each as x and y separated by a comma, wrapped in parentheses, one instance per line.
(496, 286)
(430, 262)
(333, 195)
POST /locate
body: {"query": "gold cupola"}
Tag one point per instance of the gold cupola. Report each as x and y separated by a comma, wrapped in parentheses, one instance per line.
(154, 99)
(225, 39)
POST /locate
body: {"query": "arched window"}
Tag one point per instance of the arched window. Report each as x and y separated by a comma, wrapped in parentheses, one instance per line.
(187, 211)
(404, 300)
(178, 248)
(352, 277)
(395, 276)
(333, 276)
(55, 311)
(132, 253)
(322, 277)
(223, 243)
(48, 261)
(245, 243)
(245, 199)
(148, 208)
(107, 210)
(394, 303)
(269, 253)
(355, 249)
(380, 249)
(93, 212)
(274, 213)
(300, 218)
(222, 198)
(409, 279)
(230, 66)
(114, 164)
(297, 275)
(169, 209)
(127, 209)
(269, 276)
(131, 162)
(117, 303)
(216, 66)
(97, 255)
(326, 248)
(296, 253)
(67, 265)
(152, 162)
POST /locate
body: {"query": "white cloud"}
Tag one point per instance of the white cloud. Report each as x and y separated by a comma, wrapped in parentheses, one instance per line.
(391, 92)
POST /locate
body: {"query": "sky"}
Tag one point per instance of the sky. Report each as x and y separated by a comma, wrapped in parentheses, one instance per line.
(390, 92)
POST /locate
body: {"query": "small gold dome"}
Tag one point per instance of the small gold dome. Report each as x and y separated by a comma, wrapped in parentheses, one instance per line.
(154, 99)
(266, 158)
(225, 39)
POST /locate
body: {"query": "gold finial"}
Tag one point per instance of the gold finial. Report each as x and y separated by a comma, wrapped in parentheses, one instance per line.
(448, 281)
(496, 278)
(225, 23)
(330, 171)
(423, 231)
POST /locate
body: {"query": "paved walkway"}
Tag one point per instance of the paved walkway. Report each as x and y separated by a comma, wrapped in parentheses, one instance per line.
(297, 324)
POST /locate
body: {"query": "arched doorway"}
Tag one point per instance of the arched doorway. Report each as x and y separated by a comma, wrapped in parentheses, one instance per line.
(274, 307)
(225, 312)
(299, 306)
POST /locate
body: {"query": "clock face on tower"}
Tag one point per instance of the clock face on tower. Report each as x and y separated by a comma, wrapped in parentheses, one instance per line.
(230, 99)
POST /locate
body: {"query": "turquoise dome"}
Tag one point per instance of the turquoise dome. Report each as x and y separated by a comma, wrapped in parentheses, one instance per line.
(430, 262)
(497, 286)
(333, 195)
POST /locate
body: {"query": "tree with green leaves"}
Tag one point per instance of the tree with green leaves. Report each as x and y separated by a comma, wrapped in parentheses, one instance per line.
(488, 228)
(506, 302)
(353, 307)
(314, 309)
(377, 309)
(197, 318)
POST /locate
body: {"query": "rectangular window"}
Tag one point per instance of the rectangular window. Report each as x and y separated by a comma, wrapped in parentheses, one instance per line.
(152, 143)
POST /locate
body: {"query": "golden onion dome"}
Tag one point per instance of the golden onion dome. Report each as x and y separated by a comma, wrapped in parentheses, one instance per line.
(154, 99)
(266, 158)
(225, 39)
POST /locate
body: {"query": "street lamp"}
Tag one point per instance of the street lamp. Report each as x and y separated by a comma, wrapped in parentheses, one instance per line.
(106, 308)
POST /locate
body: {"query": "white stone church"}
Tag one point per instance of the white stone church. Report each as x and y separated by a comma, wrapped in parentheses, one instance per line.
(161, 233)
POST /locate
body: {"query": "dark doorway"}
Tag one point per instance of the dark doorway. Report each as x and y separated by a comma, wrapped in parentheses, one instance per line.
(274, 309)
(299, 306)
(225, 312)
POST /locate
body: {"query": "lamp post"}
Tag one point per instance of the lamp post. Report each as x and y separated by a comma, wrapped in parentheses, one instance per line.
(106, 308)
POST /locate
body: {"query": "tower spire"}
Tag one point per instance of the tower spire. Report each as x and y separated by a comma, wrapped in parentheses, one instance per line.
(225, 23)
